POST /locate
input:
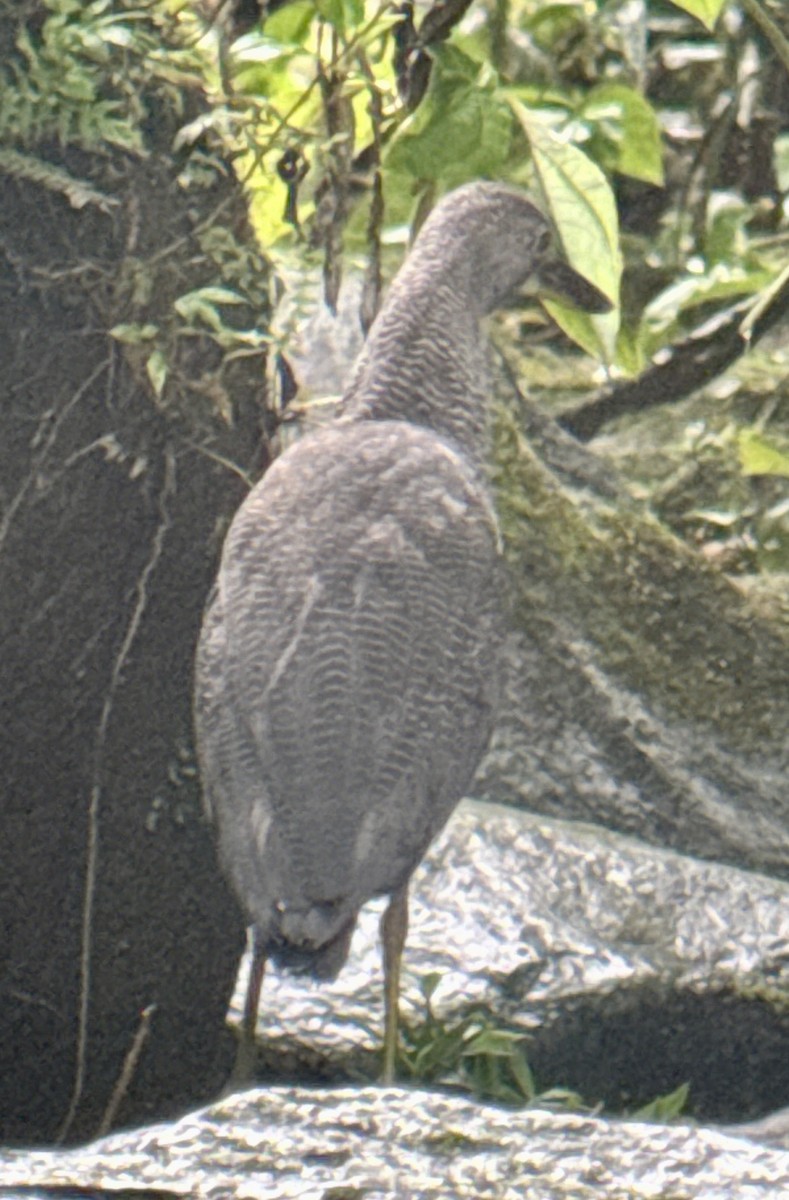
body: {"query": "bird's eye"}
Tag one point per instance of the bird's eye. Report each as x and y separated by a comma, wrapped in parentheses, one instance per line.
(544, 240)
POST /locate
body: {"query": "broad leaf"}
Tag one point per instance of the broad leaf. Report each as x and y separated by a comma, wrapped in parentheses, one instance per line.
(706, 11)
(342, 15)
(462, 129)
(626, 125)
(760, 455)
(290, 23)
(133, 334)
(157, 369)
(580, 201)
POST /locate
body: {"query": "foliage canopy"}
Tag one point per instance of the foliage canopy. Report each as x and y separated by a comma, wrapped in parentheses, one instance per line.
(654, 131)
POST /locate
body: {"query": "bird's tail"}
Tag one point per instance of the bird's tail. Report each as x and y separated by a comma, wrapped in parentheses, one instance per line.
(301, 957)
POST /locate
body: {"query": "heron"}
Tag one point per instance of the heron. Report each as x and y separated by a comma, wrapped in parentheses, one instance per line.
(348, 667)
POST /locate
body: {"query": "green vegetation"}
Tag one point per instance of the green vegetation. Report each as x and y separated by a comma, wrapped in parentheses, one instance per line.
(349, 118)
(346, 118)
(488, 1060)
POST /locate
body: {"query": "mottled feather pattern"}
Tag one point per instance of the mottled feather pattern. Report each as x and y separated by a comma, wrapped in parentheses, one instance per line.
(348, 670)
(361, 649)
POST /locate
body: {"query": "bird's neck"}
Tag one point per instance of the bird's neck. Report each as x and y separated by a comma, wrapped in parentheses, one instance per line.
(425, 362)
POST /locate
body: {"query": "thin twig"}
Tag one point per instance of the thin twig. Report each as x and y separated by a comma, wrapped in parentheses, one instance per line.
(94, 806)
(127, 1071)
(227, 463)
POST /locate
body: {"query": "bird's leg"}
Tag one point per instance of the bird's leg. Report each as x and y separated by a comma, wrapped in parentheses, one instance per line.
(244, 1069)
(394, 927)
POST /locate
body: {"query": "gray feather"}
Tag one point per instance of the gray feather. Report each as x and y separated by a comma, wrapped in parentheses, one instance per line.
(348, 664)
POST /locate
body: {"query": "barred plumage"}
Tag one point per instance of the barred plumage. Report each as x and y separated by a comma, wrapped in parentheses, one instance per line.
(348, 665)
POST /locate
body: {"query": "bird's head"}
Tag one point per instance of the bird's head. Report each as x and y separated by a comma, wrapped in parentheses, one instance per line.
(499, 242)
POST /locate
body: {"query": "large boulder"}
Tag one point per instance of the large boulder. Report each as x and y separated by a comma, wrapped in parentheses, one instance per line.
(119, 939)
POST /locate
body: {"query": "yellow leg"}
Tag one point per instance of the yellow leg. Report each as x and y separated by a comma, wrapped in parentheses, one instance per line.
(244, 1069)
(394, 927)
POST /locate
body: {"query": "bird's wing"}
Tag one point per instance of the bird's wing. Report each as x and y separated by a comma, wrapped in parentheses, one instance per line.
(208, 708)
(360, 592)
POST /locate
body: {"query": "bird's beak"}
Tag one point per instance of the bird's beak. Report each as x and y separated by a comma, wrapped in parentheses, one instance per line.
(557, 280)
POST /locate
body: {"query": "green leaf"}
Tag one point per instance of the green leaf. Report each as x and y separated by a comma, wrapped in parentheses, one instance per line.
(661, 318)
(706, 11)
(77, 86)
(625, 122)
(766, 297)
(781, 158)
(522, 1074)
(462, 129)
(133, 335)
(428, 984)
(772, 531)
(721, 283)
(562, 1098)
(211, 295)
(290, 24)
(157, 369)
(342, 15)
(118, 35)
(581, 204)
(199, 306)
(665, 1108)
(630, 355)
(721, 518)
(552, 23)
(255, 50)
(760, 455)
(725, 237)
(491, 1042)
(191, 133)
(78, 192)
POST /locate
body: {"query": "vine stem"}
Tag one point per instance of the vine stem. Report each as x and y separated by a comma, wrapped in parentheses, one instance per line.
(770, 29)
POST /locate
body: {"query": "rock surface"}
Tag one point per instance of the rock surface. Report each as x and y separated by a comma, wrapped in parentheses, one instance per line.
(375, 1144)
(629, 971)
(646, 693)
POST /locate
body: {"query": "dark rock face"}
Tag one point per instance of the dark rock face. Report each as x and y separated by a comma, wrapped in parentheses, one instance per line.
(111, 902)
(103, 579)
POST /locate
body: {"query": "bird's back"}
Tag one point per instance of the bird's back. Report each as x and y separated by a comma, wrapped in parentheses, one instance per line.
(347, 673)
